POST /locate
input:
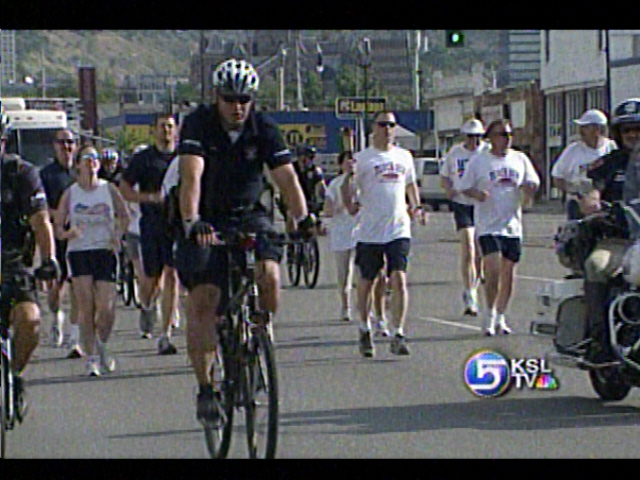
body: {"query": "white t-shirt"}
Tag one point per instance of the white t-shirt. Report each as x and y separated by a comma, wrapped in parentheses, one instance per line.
(572, 163)
(92, 211)
(454, 165)
(501, 177)
(381, 179)
(342, 224)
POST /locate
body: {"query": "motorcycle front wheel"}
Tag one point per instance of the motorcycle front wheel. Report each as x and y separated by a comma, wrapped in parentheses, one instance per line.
(609, 384)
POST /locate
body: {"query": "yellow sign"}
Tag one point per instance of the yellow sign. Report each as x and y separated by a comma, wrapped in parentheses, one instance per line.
(304, 133)
(350, 107)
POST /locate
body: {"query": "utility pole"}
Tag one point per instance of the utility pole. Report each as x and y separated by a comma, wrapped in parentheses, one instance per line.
(44, 81)
(281, 72)
(416, 71)
(298, 40)
(608, 72)
(202, 49)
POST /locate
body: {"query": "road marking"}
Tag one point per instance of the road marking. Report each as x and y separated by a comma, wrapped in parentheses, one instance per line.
(447, 322)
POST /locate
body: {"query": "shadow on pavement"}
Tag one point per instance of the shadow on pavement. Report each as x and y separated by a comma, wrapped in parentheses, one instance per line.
(482, 414)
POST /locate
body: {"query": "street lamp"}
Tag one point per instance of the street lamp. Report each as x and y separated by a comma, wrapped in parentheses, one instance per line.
(364, 49)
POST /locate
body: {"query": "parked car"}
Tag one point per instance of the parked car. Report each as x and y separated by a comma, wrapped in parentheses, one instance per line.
(428, 179)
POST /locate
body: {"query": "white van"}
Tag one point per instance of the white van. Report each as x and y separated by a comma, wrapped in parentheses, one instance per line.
(428, 175)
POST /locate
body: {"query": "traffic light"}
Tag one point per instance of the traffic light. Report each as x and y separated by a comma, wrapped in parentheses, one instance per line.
(454, 38)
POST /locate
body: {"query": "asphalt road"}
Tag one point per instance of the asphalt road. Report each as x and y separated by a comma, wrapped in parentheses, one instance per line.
(334, 403)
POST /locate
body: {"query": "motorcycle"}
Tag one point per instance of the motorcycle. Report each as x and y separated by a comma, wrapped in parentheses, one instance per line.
(563, 302)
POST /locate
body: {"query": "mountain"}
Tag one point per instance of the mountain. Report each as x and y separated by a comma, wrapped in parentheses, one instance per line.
(114, 53)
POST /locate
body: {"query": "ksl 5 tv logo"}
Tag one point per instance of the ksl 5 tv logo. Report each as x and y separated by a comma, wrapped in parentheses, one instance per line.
(488, 373)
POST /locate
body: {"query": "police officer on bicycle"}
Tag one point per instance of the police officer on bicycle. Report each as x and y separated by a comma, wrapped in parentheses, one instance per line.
(223, 149)
(24, 209)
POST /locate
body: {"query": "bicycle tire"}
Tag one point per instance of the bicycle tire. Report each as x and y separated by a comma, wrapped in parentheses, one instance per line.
(311, 262)
(293, 265)
(127, 275)
(218, 440)
(261, 397)
(6, 421)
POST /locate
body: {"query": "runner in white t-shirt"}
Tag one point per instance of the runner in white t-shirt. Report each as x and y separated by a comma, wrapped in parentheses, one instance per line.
(498, 179)
(384, 175)
(569, 173)
(453, 166)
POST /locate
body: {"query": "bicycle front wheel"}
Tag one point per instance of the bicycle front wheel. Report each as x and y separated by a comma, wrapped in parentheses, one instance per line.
(311, 263)
(261, 402)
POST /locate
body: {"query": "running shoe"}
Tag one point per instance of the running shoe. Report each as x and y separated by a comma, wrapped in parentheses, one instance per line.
(165, 347)
(502, 324)
(345, 314)
(93, 366)
(381, 328)
(76, 351)
(490, 321)
(399, 345)
(470, 303)
(366, 344)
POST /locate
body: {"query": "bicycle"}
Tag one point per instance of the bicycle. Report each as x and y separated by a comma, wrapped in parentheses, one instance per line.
(244, 368)
(9, 413)
(126, 280)
(304, 257)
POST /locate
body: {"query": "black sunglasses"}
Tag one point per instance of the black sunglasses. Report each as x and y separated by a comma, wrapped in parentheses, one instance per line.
(384, 124)
(502, 134)
(241, 99)
(65, 142)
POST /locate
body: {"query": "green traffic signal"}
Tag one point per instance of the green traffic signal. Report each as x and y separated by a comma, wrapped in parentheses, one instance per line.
(454, 38)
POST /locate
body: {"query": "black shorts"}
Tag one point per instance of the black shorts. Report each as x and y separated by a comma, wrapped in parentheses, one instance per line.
(462, 215)
(99, 264)
(17, 287)
(155, 246)
(509, 247)
(370, 257)
(198, 266)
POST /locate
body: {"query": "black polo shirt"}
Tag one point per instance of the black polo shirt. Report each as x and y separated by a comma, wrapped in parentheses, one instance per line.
(146, 169)
(233, 171)
(22, 196)
(111, 176)
(309, 176)
(608, 173)
(56, 179)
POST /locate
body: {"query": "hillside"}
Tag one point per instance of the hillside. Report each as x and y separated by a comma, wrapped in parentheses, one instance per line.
(114, 53)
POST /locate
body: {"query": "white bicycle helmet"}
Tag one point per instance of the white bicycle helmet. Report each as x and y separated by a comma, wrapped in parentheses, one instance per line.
(236, 76)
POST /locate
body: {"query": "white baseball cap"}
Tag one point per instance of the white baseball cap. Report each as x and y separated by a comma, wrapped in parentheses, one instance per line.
(592, 117)
(472, 127)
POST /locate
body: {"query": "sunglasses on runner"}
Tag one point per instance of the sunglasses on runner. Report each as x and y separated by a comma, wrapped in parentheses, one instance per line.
(385, 124)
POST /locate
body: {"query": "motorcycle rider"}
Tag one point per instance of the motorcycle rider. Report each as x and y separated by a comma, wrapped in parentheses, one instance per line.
(611, 175)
